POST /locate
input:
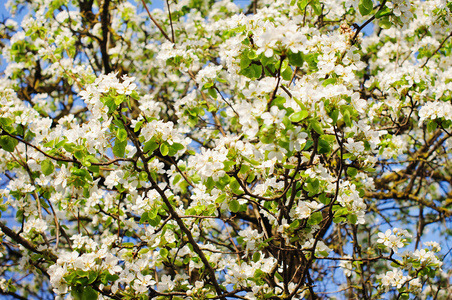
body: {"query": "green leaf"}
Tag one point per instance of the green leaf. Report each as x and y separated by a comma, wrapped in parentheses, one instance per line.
(210, 183)
(257, 70)
(385, 23)
(256, 256)
(110, 103)
(352, 172)
(267, 60)
(383, 12)
(317, 7)
(164, 252)
(79, 155)
(405, 296)
(334, 115)
(89, 294)
(287, 74)
(324, 199)
(144, 218)
(150, 146)
(221, 184)
(252, 54)
(177, 146)
(119, 99)
(228, 164)
(221, 198)
(152, 214)
(119, 148)
(121, 134)
(338, 219)
(352, 218)
(111, 277)
(365, 7)
(315, 184)
(253, 71)
(295, 224)
(244, 169)
(207, 85)
(8, 143)
(138, 125)
(302, 4)
(212, 92)
(92, 276)
(317, 127)
(329, 81)
(47, 167)
(77, 292)
(94, 169)
(244, 61)
(299, 115)
(251, 178)
(234, 206)
(6, 121)
(324, 146)
(69, 147)
(235, 186)
(296, 59)
(432, 125)
(251, 161)
(347, 119)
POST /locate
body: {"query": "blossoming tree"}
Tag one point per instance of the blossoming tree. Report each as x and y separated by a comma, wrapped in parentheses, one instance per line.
(205, 151)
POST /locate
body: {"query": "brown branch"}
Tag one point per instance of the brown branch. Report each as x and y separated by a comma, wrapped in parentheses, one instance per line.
(171, 22)
(27, 244)
(155, 22)
(105, 32)
(175, 215)
(360, 28)
(64, 158)
(439, 47)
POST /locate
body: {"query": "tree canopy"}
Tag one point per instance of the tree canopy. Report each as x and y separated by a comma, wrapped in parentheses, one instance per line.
(290, 149)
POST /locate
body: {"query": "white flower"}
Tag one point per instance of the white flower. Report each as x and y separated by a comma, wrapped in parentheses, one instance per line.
(275, 116)
(353, 147)
(165, 284)
(207, 73)
(141, 283)
(346, 266)
(251, 237)
(86, 262)
(238, 274)
(111, 264)
(394, 239)
(114, 178)
(393, 278)
(435, 246)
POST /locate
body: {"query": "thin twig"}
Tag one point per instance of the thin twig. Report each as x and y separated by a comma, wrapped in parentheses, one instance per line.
(155, 22)
(439, 47)
(367, 22)
(171, 22)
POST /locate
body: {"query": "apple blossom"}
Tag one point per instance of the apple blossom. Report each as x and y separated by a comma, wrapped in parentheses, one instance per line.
(205, 150)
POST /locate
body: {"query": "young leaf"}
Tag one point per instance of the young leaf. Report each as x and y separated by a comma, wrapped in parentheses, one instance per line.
(47, 167)
(234, 206)
(302, 4)
(119, 148)
(121, 134)
(365, 7)
(8, 143)
(299, 115)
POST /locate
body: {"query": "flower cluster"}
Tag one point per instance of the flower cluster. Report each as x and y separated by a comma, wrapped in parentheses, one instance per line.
(394, 239)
